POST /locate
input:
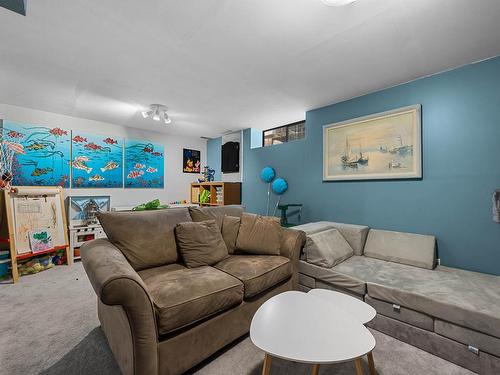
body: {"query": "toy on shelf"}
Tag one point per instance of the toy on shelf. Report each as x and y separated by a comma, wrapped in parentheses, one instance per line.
(205, 196)
(179, 202)
(208, 175)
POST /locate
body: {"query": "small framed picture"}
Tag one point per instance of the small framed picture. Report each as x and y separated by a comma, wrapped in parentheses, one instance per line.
(191, 161)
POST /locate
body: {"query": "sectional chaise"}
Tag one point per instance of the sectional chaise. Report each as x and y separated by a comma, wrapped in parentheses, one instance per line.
(452, 313)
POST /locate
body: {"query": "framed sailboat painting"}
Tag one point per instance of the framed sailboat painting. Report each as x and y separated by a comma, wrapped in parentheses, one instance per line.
(382, 146)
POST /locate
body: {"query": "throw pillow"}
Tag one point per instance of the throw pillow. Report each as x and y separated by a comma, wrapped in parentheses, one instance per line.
(200, 243)
(327, 248)
(259, 235)
(146, 238)
(230, 229)
(215, 213)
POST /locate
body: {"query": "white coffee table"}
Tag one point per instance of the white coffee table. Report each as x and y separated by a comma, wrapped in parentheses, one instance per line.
(357, 308)
(307, 328)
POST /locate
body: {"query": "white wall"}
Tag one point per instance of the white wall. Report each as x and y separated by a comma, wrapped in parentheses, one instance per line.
(176, 182)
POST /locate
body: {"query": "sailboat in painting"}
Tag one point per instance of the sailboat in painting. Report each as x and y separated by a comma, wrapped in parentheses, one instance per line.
(352, 160)
(402, 149)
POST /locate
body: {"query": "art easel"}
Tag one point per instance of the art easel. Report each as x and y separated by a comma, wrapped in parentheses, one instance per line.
(46, 199)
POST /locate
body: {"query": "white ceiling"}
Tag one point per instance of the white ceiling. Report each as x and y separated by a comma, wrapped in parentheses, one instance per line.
(229, 64)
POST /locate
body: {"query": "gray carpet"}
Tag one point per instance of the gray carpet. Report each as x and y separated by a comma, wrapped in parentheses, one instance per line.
(49, 326)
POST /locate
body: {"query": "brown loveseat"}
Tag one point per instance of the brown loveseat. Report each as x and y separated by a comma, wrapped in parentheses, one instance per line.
(167, 318)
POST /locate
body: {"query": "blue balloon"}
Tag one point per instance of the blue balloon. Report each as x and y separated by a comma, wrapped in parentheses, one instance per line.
(280, 186)
(267, 174)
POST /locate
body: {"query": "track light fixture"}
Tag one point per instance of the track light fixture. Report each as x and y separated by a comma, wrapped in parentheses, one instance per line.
(157, 112)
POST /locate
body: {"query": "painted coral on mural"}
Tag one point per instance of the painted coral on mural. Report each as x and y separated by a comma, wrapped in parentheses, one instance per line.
(46, 154)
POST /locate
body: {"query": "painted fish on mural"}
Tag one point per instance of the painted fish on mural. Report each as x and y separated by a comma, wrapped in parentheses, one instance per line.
(95, 147)
(110, 166)
(14, 134)
(58, 132)
(135, 174)
(35, 146)
(147, 149)
(139, 166)
(78, 138)
(80, 163)
(156, 153)
(96, 177)
(152, 170)
(110, 141)
(41, 171)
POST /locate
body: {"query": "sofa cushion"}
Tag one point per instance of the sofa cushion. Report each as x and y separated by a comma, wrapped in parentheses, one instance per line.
(333, 276)
(407, 248)
(146, 238)
(182, 296)
(200, 243)
(431, 342)
(355, 235)
(466, 298)
(327, 248)
(216, 213)
(230, 229)
(402, 313)
(257, 272)
(259, 235)
(468, 336)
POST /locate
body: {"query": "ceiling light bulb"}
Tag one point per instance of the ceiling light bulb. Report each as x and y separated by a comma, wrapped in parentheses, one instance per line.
(145, 114)
(337, 3)
(156, 117)
(167, 120)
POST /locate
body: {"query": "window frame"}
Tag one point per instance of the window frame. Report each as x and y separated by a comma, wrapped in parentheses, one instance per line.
(287, 127)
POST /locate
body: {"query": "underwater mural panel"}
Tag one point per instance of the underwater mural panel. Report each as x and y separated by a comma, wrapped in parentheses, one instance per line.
(96, 161)
(144, 164)
(46, 157)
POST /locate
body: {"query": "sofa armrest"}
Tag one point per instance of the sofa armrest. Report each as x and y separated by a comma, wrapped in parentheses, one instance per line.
(292, 242)
(116, 283)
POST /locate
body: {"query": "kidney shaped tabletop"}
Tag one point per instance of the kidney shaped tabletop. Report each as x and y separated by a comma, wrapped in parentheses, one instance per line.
(305, 328)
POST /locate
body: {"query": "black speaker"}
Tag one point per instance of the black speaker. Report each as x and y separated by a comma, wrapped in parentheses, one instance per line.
(230, 157)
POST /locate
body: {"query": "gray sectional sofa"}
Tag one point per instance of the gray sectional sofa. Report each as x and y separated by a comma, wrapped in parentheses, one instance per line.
(452, 313)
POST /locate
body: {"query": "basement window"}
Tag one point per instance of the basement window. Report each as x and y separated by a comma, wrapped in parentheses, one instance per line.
(283, 134)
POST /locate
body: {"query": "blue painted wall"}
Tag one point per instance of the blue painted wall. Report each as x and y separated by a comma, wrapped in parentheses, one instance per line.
(214, 156)
(461, 149)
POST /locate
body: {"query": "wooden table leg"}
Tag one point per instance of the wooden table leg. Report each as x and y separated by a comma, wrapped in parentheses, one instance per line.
(315, 370)
(15, 272)
(371, 364)
(359, 366)
(266, 368)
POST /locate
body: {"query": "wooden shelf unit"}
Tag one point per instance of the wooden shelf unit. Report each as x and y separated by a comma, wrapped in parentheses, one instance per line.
(221, 193)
